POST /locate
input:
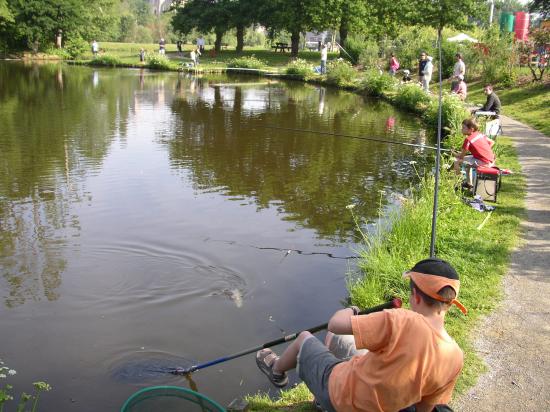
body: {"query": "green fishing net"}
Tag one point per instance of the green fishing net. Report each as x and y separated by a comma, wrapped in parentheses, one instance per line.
(168, 399)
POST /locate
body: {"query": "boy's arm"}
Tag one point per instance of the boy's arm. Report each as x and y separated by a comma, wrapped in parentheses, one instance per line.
(340, 322)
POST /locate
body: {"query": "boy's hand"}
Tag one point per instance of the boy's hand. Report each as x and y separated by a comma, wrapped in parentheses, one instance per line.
(356, 310)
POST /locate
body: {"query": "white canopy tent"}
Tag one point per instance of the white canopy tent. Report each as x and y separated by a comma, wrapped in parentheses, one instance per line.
(462, 37)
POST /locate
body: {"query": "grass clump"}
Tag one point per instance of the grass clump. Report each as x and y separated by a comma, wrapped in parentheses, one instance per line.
(246, 62)
(159, 62)
(379, 84)
(479, 249)
(106, 60)
(341, 73)
(412, 97)
(300, 68)
(297, 399)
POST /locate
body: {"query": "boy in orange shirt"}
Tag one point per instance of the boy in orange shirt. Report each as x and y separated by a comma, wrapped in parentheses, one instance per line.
(411, 360)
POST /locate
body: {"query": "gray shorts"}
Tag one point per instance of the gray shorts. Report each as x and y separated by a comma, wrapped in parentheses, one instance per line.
(315, 363)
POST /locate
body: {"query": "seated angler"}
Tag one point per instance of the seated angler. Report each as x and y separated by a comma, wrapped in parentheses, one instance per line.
(480, 147)
(411, 359)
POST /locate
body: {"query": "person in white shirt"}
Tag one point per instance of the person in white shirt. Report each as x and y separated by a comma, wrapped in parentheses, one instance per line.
(324, 54)
(427, 74)
(200, 44)
(459, 69)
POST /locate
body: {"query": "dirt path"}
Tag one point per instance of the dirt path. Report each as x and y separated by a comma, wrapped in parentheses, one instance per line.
(515, 339)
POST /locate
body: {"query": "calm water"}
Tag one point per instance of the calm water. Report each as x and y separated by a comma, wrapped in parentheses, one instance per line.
(147, 218)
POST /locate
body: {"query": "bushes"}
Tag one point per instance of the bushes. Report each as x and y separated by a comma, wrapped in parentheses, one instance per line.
(76, 47)
(247, 62)
(106, 60)
(340, 73)
(300, 68)
(412, 97)
(452, 114)
(376, 83)
(158, 61)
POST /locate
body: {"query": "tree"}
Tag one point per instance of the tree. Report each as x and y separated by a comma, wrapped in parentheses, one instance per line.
(5, 13)
(204, 15)
(540, 6)
(297, 16)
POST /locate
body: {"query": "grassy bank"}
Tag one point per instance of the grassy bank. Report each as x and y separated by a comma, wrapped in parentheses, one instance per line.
(477, 244)
(528, 103)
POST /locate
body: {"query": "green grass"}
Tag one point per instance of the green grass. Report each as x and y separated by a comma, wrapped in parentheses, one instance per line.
(528, 103)
(481, 256)
(477, 244)
(275, 61)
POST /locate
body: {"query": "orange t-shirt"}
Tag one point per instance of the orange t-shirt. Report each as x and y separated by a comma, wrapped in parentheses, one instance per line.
(408, 361)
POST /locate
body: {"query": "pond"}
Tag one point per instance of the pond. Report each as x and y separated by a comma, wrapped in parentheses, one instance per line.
(151, 218)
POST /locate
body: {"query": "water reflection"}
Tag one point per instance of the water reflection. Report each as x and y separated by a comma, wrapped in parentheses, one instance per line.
(220, 136)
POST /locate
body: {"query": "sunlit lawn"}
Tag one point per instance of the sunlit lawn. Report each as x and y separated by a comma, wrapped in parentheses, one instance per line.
(529, 104)
(129, 53)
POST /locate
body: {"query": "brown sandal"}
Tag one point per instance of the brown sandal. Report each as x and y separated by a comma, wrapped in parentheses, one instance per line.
(265, 359)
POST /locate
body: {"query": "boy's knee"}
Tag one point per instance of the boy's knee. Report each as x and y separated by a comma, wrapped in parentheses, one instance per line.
(304, 335)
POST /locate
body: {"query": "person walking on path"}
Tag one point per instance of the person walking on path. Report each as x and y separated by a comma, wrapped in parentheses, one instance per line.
(411, 360)
(513, 340)
(394, 65)
(324, 55)
(459, 69)
(427, 74)
(162, 46)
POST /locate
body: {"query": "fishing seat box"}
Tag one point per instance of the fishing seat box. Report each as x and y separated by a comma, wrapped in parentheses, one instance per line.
(487, 183)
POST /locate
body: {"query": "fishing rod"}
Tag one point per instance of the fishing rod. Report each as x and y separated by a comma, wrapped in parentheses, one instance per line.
(338, 44)
(374, 139)
(394, 303)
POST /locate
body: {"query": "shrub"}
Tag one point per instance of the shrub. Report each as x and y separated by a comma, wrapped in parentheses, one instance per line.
(412, 97)
(369, 56)
(499, 58)
(158, 61)
(452, 114)
(340, 73)
(300, 68)
(76, 47)
(106, 60)
(246, 62)
(376, 83)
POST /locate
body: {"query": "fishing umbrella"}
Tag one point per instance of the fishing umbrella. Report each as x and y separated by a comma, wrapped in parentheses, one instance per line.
(462, 37)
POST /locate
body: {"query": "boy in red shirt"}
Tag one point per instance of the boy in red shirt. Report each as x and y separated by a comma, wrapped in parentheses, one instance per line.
(411, 360)
(480, 147)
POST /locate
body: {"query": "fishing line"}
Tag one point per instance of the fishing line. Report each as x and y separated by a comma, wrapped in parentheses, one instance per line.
(286, 250)
(438, 152)
(374, 139)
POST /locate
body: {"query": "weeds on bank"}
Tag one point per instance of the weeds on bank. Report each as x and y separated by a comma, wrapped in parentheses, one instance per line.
(7, 389)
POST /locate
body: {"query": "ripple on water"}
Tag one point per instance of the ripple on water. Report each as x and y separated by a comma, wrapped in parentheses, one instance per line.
(151, 275)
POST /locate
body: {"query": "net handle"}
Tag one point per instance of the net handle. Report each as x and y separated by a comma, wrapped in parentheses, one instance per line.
(130, 400)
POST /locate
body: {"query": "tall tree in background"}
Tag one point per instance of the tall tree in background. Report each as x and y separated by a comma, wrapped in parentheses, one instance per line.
(204, 15)
(540, 6)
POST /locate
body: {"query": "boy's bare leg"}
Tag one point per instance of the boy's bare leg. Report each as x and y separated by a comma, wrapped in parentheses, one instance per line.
(289, 358)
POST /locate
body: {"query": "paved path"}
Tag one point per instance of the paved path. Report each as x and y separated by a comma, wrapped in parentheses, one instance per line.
(515, 339)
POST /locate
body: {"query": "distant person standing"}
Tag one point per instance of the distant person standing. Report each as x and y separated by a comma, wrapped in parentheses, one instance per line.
(421, 64)
(200, 44)
(394, 65)
(178, 45)
(95, 48)
(427, 74)
(458, 69)
(324, 54)
(142, 55)
(162, 46)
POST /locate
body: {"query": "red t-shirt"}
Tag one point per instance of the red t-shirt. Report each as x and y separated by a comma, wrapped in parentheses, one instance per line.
(479, 146)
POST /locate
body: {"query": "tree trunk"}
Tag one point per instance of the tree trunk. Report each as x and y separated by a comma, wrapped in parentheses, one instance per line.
(343, 33)
(218, 42)
(294, 43)
(240, 38)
